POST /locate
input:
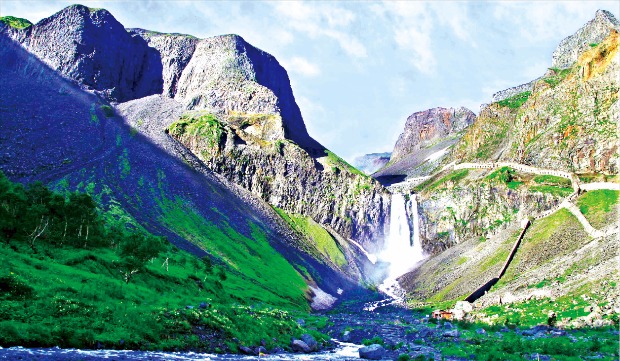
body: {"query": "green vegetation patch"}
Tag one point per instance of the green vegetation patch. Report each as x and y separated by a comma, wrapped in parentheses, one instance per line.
(205, 126)
(453, 177)
(515, 101)
(338, 164)
(17, 23)
(557, 77)
(556, 191)
(511, 346)
(71, 279)
(547, 238)
(317, 235)
(600, 207)
(258, 273)
(107, 110)
(552, 180)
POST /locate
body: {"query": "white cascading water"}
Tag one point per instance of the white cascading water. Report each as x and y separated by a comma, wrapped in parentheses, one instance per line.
(398, 250)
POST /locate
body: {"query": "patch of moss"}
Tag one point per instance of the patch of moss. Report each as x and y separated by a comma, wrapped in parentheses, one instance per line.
(205, 126)
(17, 23)
(341, 164)
(557, 77)
(107, 110)
(515, 101)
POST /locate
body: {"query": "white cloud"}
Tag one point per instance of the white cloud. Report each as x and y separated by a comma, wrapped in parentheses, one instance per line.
(316, 20)
(456, 16)
(302, 66)
(412, 25)
(547, 20)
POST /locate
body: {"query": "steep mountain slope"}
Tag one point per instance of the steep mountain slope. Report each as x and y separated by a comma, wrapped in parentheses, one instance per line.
(244, 124)
(124, 159)
(568, 121)
(427, 137)
(530, 156)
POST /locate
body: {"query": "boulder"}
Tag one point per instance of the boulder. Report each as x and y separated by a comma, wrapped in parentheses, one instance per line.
(451, 333)
(300, 346)
(458, 315)
(464, 306)
(346, 336)
(310, 341)
(372, 352)
(246, 350)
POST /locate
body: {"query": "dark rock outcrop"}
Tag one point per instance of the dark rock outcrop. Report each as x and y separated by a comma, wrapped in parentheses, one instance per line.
(91, 47)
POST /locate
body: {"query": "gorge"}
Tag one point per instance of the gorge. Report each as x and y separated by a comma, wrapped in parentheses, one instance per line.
(161, 197)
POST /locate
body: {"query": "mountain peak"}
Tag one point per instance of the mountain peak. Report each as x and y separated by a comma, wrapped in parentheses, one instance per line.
(424, 127)
(593, 32)
(91, 47)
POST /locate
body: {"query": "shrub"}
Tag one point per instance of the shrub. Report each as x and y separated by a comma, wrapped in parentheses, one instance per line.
(375, 340)
(107, 110)
(403, 357)
(14, 287)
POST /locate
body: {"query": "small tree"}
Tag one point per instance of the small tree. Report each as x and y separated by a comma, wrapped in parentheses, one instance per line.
(135, 250)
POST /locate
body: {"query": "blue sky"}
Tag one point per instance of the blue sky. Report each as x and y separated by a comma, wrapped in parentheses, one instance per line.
(358, 69)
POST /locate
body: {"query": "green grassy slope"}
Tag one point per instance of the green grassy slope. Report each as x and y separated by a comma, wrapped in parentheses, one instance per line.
(70, 290)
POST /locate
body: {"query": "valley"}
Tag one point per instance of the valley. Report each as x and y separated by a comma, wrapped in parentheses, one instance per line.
(161, 198)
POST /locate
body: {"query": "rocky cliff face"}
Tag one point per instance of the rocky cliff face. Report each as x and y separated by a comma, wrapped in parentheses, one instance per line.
(175, 51)
(225, 74)
(370, 163)
(565, 120)
(424, 143)
(568, 121)
(91, 47)
(474, 205)
(246, 126)
(285, 175)
(425, 127)
(594, 32)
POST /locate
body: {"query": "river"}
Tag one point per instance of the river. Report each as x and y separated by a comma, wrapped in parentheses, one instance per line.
(343, 351)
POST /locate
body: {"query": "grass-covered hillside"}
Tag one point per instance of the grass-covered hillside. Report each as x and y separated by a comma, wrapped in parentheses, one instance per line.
(560, 265)
(72, 276)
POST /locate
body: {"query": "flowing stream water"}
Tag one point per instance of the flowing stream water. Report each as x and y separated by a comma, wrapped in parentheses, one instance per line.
(343, 352)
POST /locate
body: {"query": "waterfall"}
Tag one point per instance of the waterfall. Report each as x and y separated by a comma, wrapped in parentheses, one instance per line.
(398, 250)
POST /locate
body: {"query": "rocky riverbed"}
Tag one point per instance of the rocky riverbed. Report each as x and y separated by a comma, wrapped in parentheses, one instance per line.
(391, 332)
